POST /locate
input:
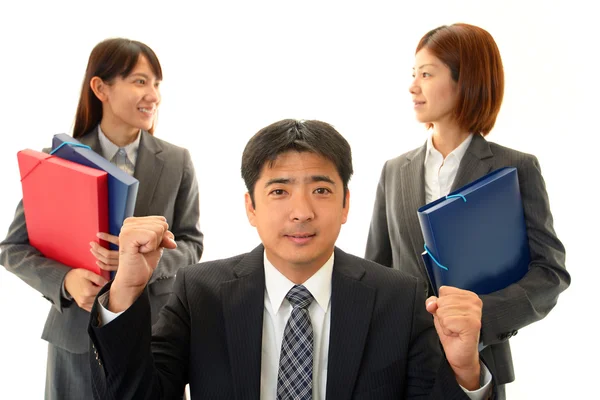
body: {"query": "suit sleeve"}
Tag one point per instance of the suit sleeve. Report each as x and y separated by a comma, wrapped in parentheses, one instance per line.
(379, 248)
(532, 298)
(429, 375)
(25, 261)
(185, 225)
(128, 362)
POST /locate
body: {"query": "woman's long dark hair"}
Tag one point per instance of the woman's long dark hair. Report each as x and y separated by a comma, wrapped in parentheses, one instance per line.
(109, 59)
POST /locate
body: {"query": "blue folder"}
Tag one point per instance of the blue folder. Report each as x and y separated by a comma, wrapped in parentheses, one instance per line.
(122, 187)
(475, 237)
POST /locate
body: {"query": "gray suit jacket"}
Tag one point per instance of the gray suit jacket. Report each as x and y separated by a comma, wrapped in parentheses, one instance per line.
(395, 240)
(168, 187)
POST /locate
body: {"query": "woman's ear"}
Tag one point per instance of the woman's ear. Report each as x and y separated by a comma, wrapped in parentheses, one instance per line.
(99, 88)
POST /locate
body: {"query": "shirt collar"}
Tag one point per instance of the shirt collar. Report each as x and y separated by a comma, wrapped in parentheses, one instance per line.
(319, 285)
(109, 149)
(458, 152)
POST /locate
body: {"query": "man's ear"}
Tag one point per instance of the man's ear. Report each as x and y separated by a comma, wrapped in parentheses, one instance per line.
(99, 88)
(346, 208)
(250, 211)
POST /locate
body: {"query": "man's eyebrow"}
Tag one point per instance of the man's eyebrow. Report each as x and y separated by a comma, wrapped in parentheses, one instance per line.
(312, 178)
(279, 180)
(321, 178)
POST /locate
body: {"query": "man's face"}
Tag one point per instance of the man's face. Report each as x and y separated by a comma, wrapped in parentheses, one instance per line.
(298, 211)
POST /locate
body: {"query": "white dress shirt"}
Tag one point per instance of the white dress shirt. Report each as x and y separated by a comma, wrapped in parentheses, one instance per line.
(277, 312)
(440, 172)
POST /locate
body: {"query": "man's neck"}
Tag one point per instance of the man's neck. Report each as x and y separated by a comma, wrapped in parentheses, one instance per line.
(297, 273)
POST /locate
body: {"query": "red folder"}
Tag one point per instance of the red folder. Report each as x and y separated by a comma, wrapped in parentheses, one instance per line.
(65, 205)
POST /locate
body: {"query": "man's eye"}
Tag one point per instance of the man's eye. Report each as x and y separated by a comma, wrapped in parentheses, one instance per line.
(278, 192)
(322, 191)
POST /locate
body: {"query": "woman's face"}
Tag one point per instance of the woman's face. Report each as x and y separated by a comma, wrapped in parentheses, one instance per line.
(433, 90)
(132, 102)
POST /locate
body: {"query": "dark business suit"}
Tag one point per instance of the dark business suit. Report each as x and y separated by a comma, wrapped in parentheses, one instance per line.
(167, 187)
(382, 342)
(395, 240)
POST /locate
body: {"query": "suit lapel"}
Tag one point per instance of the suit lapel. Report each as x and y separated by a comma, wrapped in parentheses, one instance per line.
(412, 193)
(243, 308)
(351, 308)
(476, 162)
(148, 168)
(91, 139)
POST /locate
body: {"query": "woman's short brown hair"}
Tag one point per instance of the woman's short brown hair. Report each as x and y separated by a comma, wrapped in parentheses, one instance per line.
(475, 64)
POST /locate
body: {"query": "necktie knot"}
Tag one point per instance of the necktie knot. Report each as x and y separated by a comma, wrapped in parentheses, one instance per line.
(121, 160)
(299, 297)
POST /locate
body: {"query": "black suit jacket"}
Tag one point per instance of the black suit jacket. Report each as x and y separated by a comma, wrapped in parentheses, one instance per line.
(382, 341)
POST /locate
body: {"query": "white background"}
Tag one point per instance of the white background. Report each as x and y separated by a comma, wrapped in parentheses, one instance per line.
(231, 68)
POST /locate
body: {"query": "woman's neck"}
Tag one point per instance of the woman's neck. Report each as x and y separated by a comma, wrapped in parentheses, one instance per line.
(447, 138)
(119, 135)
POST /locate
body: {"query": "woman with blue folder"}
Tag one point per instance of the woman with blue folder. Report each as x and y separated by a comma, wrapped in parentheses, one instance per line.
(115, 117)
(457, 91)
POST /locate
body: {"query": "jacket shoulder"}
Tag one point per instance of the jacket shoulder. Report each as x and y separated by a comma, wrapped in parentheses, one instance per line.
(382, 277)
(403, 159)
(212, 271)
(511, 155)
(165, 146)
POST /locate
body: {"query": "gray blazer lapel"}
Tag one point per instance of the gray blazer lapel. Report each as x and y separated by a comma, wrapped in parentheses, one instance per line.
(413, 197)
(351, 308)
(91, 139)
(475, 163)
(148, 167)
(243, 308)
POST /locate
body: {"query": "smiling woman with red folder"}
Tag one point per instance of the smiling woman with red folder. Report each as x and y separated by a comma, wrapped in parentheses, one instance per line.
(115, 117)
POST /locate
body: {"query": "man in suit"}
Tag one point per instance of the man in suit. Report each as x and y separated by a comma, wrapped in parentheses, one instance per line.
(296, 318)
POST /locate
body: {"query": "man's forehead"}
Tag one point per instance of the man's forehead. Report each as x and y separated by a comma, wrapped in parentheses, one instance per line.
(302, 163)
